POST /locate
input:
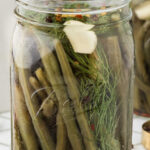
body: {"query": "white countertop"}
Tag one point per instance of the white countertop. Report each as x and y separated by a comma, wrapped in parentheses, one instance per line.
(5, 135)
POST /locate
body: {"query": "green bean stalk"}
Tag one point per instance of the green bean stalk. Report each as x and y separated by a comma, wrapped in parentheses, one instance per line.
(53, 72)
(24, 120)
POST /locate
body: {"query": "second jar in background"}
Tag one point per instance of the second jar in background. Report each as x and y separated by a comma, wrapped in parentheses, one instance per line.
(141, 28)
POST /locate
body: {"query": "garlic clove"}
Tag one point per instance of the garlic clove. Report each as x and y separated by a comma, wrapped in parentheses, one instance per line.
(81, 38)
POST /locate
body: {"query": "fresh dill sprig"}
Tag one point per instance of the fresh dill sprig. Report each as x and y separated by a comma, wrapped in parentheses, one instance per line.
(98, 94)
(102, 106)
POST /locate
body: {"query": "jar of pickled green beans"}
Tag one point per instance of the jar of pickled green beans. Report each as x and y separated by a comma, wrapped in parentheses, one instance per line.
(141, 28)
(72, 75)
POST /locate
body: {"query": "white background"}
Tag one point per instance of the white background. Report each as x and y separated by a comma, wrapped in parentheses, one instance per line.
(7, 21)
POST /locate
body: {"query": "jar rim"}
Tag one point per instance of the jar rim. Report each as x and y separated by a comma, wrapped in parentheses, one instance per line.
(45, 6)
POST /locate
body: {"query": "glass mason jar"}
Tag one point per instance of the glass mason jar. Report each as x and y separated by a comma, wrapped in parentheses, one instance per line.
(141, 28)
(71, 76)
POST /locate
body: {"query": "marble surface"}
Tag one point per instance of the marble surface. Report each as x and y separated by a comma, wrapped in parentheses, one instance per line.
(5, 135)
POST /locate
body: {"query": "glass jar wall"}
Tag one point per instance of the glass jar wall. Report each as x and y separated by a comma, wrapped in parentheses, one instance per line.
(71, 76)
(141, 28)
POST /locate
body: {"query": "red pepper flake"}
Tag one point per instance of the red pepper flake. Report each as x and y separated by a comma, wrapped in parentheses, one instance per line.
(76, 63)
(79, 16)
(93, 127)
(78, 6)
(78, 10)
(59, 18)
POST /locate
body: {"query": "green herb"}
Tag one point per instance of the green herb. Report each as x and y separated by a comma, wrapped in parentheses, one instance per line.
(98, 96)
